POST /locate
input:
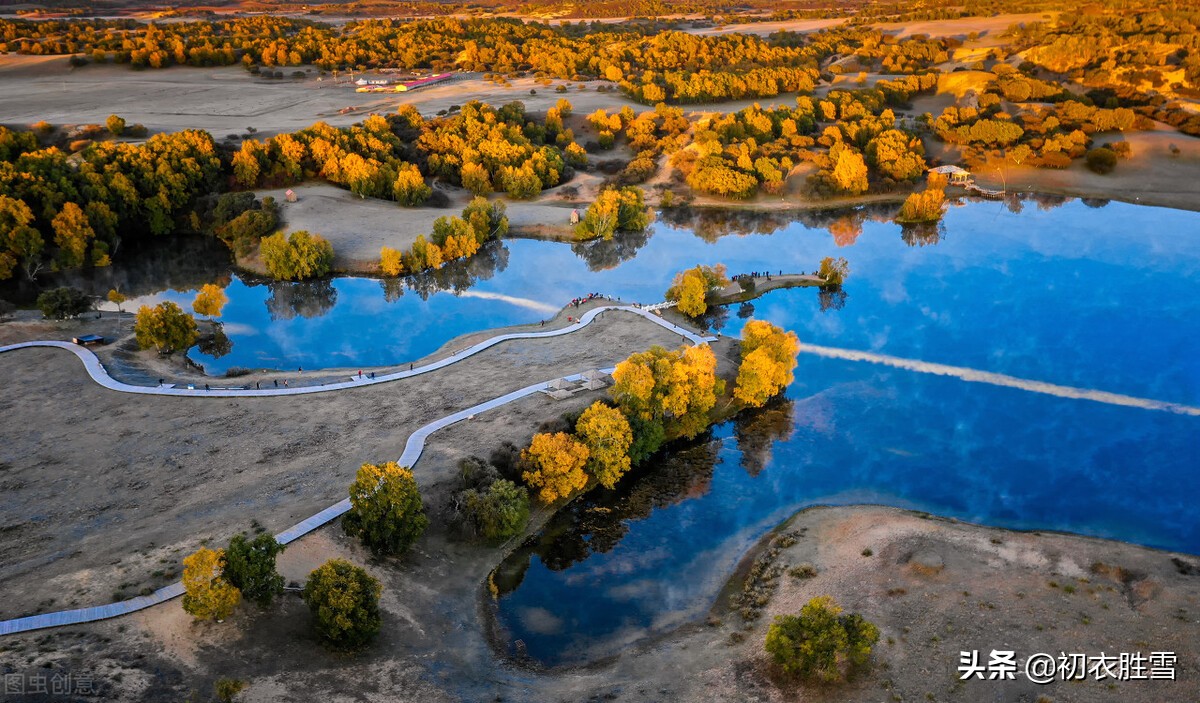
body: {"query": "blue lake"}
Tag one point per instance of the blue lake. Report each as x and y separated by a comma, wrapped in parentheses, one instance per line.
(1104, 298)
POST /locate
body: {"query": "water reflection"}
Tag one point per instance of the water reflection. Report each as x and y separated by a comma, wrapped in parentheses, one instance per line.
(602, 254)
(923, 233)
(655, 552)
(307, 299)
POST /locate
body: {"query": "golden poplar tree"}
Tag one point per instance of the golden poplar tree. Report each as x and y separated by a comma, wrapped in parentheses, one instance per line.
(768, 362)
(210, 300)
(207, 594)
(607, 435)
(390, 262)
(555, 464)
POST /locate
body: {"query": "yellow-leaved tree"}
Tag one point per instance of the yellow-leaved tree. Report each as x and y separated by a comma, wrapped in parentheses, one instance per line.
(210, 300)
(606, 434)
(207, 594)
(666, 394)
(555, 465)
(768, 362)
(690, 288)
(390, 262)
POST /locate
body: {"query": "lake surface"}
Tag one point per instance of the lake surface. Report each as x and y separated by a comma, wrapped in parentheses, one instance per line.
(1104, 298)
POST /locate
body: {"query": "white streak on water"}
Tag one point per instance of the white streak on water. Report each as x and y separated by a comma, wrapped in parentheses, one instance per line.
(999, 379)
(520, 302)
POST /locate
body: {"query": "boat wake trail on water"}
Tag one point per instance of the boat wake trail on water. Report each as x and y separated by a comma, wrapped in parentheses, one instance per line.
(999, 379)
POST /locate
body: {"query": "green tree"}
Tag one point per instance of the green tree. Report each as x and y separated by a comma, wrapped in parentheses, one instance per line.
(208, 595)
(386, 511)
(821, 642)
(488, 220)
(250, 567)
(62, 303)
(1102, 160)
(632, 213)
(344, 601)
(164, 327)
(297, 257)
(499, 512)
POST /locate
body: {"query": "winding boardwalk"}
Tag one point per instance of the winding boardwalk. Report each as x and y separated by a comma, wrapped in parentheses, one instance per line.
(100, 375)
(412, 447)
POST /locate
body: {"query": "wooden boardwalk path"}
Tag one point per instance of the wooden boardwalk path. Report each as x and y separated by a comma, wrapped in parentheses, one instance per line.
(412, 448)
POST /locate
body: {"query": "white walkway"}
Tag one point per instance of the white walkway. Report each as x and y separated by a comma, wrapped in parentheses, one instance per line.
(100, 375)
(412, 448)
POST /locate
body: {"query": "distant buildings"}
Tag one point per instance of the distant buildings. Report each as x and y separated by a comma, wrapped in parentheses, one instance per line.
(956, 175)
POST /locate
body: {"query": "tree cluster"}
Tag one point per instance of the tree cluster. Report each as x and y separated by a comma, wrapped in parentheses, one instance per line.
(691, 288)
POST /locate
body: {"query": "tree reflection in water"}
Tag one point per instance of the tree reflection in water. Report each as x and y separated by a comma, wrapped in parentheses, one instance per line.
(603, 254)
(456, 276)
(596, 522)
(923, 234)
(307, 299)
(757, 432)
(831, 298)
(216, 344)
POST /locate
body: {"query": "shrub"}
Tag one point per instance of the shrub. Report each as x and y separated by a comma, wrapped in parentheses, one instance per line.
(344, 601)
(820, 642)
(115, 125)
(1101, 160)
(386, 511)
(62, 303)
(499, 512)
(299, 256)
(225, 689)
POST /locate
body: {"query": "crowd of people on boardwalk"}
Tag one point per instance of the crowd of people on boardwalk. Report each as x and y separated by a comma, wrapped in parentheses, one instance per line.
(756, 274)
(582, 300)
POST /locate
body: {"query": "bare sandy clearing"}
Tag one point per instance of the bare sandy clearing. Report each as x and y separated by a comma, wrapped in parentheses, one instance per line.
(989, 26)
(221, 101)
(1151, 176)
(359, 227)
(101, 488)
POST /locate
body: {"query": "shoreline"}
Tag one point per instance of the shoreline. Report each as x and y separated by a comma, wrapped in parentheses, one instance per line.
(676, 217)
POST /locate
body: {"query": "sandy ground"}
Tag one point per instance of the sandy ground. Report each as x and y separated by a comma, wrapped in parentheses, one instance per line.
(994, 589)
(222, 101)
(1151, 176)
(103, 489)
(935, 587)
(357, 227)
